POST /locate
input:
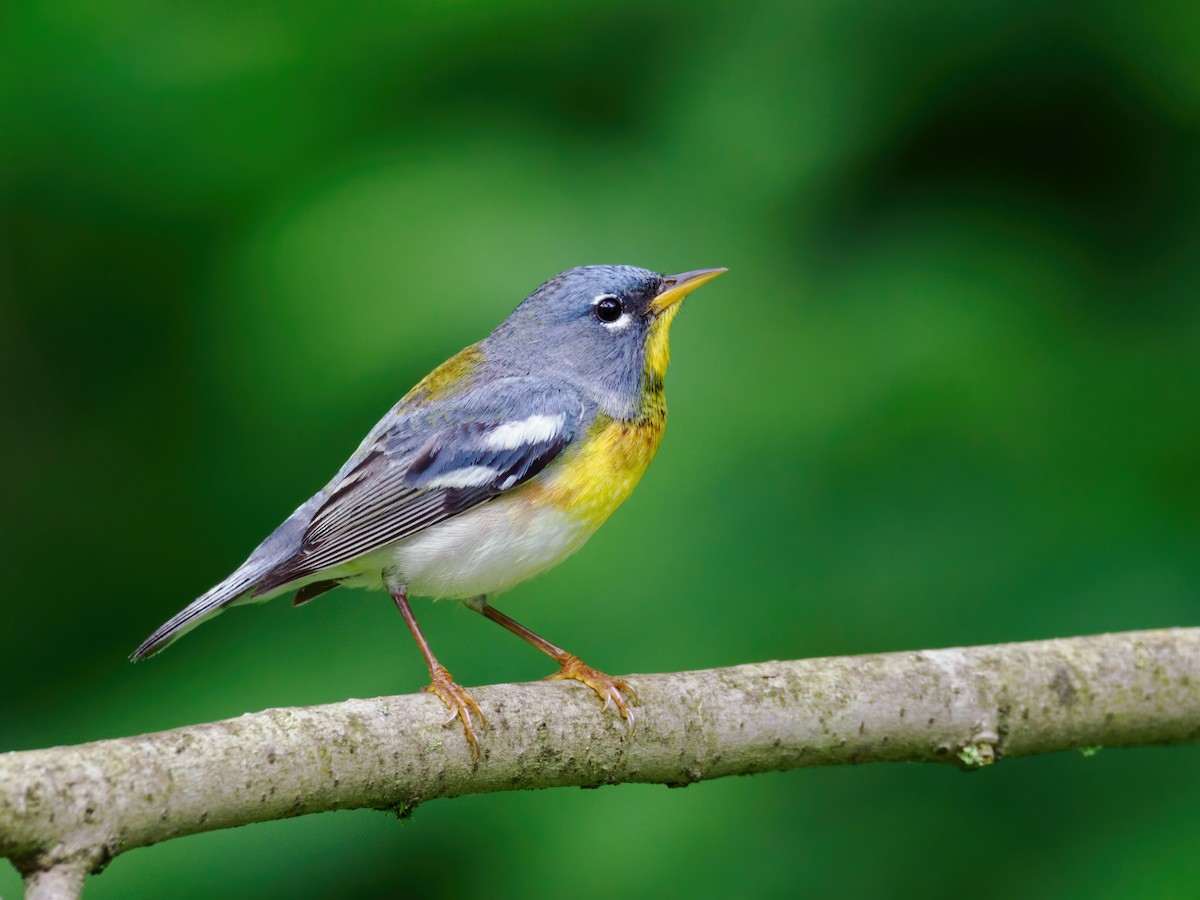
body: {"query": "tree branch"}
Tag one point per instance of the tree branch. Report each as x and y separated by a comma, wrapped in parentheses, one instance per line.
(66, 811)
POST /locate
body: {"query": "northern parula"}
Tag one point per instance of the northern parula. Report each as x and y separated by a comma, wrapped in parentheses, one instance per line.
(497, 466)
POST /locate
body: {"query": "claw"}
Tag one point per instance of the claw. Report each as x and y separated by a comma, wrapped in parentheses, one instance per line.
(613, 691)
(460, 703)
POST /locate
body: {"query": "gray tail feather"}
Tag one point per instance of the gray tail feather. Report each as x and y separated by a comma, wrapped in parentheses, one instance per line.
(205, 607)
(279, 546)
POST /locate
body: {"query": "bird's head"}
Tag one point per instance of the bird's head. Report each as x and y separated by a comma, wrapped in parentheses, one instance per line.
(603, 327)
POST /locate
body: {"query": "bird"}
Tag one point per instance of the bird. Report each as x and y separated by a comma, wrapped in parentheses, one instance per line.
(495, 467)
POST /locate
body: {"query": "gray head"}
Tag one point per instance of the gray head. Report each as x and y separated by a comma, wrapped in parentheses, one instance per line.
(604, 328)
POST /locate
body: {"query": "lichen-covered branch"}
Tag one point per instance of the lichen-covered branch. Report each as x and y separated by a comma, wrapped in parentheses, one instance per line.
(69, 810)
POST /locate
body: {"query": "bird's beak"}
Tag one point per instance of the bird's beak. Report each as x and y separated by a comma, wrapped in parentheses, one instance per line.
(676, 287)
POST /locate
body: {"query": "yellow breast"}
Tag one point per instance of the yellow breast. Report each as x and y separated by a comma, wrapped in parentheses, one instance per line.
(595, 476)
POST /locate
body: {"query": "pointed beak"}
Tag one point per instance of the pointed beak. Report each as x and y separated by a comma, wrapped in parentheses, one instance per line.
(676, 287)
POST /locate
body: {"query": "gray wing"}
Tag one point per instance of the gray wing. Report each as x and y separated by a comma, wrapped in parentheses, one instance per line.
(431, 466)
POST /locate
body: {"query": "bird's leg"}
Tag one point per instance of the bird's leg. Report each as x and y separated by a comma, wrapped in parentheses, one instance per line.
(461, 703)
(613, 691)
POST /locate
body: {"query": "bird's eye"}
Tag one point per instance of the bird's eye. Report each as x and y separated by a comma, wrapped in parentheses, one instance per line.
(608, 309)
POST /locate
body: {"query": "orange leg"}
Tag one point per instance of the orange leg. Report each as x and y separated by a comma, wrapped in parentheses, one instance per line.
(460, 703)
(613, 691)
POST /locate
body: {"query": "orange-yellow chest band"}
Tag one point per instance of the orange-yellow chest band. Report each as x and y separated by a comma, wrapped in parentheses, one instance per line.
(596, 475)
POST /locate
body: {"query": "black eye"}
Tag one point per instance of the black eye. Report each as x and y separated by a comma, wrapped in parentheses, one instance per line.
(608, 309)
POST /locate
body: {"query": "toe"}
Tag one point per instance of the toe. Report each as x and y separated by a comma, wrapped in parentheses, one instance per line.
(461, 705)
(615, 692)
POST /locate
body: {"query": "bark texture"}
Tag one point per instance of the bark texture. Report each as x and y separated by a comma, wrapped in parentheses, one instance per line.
(67, 811)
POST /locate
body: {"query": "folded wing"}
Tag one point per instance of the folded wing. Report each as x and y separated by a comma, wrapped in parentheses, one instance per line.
(421, 472)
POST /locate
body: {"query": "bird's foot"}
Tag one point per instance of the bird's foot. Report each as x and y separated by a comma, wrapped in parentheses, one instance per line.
(460, 703)
(615, 692)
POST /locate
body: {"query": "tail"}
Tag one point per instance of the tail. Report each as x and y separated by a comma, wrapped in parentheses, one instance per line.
(280, 546)
(205, 607)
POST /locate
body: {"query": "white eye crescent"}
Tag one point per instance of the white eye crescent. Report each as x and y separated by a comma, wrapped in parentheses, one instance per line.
(610, 310)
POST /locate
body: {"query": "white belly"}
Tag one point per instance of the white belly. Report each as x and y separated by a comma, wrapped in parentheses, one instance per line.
(484, 551)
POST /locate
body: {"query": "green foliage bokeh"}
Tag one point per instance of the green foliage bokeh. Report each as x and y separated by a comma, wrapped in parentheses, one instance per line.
(949, 393)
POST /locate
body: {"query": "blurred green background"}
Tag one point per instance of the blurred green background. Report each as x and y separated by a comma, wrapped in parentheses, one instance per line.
(949, 393)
